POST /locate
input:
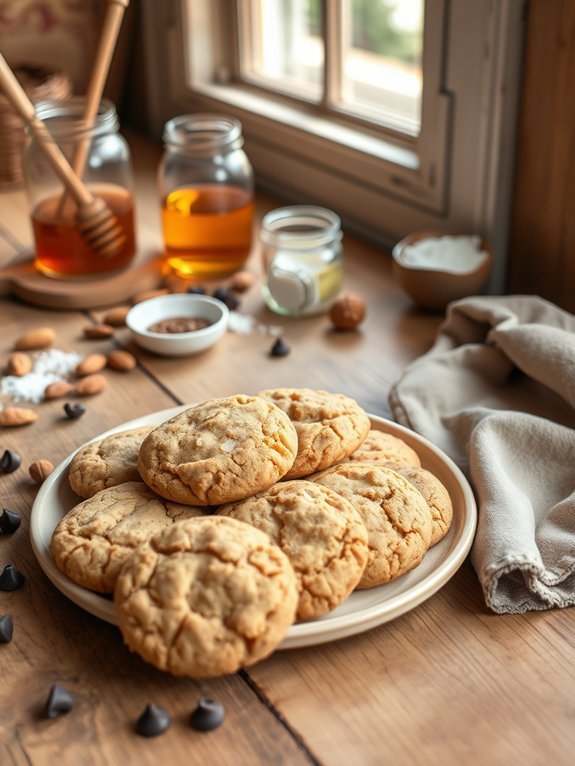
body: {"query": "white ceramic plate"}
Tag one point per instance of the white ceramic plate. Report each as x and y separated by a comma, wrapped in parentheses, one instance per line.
(363, 609)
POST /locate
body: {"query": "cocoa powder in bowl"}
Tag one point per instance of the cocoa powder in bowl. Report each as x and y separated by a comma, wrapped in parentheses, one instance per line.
(179, 324)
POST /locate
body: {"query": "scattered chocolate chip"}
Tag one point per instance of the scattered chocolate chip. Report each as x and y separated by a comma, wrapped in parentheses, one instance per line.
(227, 297)
(6, 628)
(153, 721)
(74, 411)
(10, 461)
(196, 290)
(11, 578)
(59, 701)
(280, 348)
(9, 521)
(208, 715)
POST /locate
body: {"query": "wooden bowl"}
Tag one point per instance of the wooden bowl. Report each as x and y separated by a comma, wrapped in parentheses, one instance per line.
(434, 288)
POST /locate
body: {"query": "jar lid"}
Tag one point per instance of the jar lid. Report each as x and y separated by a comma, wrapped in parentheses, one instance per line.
(203, 133)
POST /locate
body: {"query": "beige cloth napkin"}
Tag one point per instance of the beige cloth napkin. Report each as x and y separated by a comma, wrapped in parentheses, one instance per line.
(497, 394)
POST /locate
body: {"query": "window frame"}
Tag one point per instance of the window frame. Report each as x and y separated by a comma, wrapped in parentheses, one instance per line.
(456, 176)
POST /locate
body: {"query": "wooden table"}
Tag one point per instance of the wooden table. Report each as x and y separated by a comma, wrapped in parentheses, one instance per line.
(447, 683)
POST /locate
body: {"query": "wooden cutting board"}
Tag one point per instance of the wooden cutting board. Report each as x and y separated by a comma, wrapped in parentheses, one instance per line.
(22, 280)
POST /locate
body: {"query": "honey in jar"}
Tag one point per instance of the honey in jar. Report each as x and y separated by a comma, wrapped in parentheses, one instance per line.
(206, 192)
(60, 250)
(207, 229)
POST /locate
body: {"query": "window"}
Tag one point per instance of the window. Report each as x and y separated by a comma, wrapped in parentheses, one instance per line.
(397, 114)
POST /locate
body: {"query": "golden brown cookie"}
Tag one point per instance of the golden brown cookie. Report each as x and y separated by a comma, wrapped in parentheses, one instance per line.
(94, 539)
(319, 531)
(436, 496)
(381, 447)
(206, 597)
(397, 518)
(107, 462)
(329, 426)
(219, 451)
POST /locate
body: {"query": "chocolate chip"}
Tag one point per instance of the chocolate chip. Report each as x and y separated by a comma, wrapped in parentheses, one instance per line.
(74, 411)
(227, 297)
(208, 715)
(10, 461)
(11, 578)
(9, 521)
(196, 290)
(59, 701)
(6, 628)
(280, 348)
(153, 721)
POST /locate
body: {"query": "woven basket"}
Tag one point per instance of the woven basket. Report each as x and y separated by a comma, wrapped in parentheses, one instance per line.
(39, 84)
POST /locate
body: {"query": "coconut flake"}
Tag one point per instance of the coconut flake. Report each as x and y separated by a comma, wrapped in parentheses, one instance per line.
(48, 367)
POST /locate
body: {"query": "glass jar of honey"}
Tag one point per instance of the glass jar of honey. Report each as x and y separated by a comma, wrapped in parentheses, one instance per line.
(106, 169)
(206, 186)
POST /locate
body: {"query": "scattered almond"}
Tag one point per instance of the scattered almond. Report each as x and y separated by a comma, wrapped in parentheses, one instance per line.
(40, 470)
(347, 312)
(90, 385)
(57, 389)
(19, 364)
(98, 331)
(40, 337)
(17, 416)
(242, 281)
(92, 363)
(147, 294)
(122, 361)
(116, 317)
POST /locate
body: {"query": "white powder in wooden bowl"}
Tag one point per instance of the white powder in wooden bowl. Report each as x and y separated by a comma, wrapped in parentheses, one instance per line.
(457, 255)
(48, 367)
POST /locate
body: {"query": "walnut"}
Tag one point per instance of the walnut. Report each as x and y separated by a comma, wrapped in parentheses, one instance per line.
(347, 312)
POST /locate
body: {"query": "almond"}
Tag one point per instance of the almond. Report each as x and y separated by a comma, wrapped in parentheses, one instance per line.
(242, 281)
(17, 416)
(90, 385)
(19, 364)
(116, 317)
(40, 470)
(41, 337)
(120, 360)
(92, 363)
(147, 294)
(98, 331)
(57, 389)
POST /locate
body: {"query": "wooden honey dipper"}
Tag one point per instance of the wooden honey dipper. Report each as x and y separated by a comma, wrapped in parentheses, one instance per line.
(96, 222)
(113, 17)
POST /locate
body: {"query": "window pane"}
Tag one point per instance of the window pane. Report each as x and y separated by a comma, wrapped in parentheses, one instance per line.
(283, 46)
(381, 76)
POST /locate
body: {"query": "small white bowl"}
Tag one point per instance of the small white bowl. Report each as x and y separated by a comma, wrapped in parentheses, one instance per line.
(146, 313)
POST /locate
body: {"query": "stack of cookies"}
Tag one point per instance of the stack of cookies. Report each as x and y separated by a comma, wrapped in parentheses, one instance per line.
(216, 530)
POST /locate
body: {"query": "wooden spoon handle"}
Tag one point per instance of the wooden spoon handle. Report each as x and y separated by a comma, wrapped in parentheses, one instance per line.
(106, 46)
(25, 109)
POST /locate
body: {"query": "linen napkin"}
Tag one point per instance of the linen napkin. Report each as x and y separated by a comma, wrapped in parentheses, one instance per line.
(496, 392)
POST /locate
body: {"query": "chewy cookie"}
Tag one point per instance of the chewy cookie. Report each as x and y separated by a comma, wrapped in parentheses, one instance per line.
(219, 451)
(206, 597)
(381, 447)
(435, 495)
(319, 531)
(397, 518)
(107, 462)
(95, 537)
(329, 426)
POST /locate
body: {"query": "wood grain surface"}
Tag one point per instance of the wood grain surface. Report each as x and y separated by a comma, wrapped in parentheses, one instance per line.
(448, 683)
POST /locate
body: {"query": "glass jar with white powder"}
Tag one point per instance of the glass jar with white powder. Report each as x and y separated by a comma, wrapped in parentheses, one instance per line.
(302, 259)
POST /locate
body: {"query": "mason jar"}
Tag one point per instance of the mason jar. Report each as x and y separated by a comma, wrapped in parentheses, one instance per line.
(206, 187)
(106, 169)
(302, 259)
